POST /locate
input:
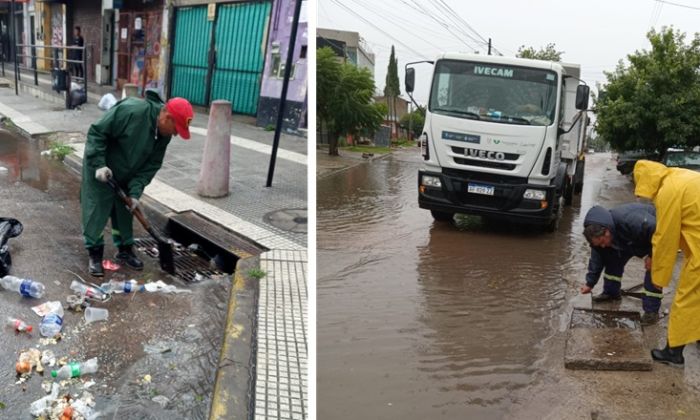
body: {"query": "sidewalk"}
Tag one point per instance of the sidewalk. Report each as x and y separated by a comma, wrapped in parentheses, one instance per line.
(274, 218)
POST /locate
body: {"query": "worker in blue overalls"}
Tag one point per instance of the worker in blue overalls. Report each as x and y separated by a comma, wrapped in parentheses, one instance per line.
(616, 236)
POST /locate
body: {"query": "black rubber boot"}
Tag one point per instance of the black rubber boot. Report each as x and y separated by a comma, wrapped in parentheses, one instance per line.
(650, 318)
(95, 263)
(669, 355)
(126, 256)
(604, 297)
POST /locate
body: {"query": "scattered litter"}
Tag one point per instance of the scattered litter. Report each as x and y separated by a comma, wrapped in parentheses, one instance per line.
(27, 361)
(49, 341)
(75, 369)
(147, 379)
(41, 406)
(3, 169)
(87, 291)
(46, 386)
(52, 322)
(48, 358)
(160, 286)
(25, 287)
(88, 384)
(106, 102)
(110, 265)
(18, 325)
(114, 286)
(162, 400)
(77, 303)
(46, 308)
(96, 314)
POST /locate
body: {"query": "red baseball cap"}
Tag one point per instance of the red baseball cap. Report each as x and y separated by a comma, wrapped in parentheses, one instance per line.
(181, 111)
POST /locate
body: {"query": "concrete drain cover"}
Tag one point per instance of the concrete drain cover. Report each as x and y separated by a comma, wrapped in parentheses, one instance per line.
(606, 340)
(290, 220)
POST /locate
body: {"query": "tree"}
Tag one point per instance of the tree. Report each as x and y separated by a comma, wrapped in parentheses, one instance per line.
(392, 88)
(654, 103)
(344, 99)
(418, 117)
(548, 53)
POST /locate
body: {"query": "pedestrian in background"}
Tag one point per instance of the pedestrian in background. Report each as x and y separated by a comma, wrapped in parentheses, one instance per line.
(616, 236)
(77, 55)
(676, 196)
(127, 143)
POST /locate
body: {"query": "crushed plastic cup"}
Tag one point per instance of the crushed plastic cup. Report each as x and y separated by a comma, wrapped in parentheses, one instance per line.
(96, 314)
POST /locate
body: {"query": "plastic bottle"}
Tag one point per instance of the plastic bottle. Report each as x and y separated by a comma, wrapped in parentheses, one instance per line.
(129, 286)
(75, 369)
(25, 287)
(88, 291)
(19, 325)
(52, 323)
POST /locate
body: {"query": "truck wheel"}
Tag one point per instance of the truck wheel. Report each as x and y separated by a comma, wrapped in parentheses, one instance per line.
(568, 192)
(578, 177)
(553, 225)
(441, 216)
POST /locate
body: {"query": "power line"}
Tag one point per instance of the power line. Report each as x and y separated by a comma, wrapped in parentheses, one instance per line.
(337, 2)
(430, 14)
(677, 4)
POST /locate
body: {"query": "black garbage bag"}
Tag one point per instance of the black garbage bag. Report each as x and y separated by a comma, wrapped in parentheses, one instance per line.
(9, 228)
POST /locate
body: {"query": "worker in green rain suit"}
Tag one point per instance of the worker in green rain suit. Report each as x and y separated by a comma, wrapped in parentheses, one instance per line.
(128, 144)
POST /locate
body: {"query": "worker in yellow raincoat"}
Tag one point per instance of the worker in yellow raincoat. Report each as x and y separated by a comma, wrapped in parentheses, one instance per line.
(676, 195)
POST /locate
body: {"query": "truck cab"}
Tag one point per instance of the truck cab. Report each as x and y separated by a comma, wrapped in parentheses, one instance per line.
(502, 138)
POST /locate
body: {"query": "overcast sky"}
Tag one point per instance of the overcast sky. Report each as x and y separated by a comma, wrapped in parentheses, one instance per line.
(593, 33)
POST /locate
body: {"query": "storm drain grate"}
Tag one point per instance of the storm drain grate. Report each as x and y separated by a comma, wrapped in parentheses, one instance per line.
(189, 266)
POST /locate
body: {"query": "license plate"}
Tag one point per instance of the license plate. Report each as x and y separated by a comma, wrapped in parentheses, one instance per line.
(480, 189)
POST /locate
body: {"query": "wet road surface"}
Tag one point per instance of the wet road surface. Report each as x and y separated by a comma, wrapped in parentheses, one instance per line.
(419, 319)
(176, 339)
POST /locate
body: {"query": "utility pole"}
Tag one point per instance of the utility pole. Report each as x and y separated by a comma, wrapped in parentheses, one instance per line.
(489, 46)
(283, 95)
(410, 121)
(13, 45)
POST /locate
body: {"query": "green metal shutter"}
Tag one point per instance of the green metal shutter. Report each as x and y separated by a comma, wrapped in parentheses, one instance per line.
(191, 47)
(241, 33)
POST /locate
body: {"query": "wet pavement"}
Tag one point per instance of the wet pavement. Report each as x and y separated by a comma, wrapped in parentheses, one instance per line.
(175, 338)
(419, 319)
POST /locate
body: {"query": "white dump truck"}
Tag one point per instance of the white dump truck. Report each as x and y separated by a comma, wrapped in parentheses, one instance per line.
(503, 138)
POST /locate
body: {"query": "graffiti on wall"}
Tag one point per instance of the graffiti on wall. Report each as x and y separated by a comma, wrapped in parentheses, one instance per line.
(56, 26)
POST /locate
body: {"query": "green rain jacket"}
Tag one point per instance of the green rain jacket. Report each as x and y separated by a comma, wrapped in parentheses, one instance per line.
(126, 140)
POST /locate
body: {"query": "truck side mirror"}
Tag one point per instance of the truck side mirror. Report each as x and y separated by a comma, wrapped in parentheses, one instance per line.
(582, 92)
(410, 79)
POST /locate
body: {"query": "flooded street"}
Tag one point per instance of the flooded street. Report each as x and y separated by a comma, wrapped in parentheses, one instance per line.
(419, 319)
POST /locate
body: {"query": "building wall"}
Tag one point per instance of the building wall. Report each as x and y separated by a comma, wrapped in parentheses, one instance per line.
(355, 53)
(271, 89)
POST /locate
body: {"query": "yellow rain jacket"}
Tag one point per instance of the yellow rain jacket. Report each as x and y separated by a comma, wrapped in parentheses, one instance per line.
(676, 195)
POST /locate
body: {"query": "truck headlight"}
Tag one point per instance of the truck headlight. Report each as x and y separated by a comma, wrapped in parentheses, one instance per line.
(535, 194)
(431, 181)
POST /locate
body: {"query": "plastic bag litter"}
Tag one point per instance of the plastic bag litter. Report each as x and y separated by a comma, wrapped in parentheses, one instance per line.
(9, 228)
(43, 405)
(160, 286)
(107, 102)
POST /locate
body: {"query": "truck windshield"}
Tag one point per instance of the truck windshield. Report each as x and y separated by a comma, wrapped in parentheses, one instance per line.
(491, 92)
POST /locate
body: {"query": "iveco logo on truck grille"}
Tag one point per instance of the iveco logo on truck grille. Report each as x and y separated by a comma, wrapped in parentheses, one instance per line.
(484, 154)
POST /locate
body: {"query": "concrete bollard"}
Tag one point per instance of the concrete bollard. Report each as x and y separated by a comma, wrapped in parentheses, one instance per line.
(130, 89)
(214, 173)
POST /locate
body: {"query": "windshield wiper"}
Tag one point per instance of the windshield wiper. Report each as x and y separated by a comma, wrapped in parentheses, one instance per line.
(518, 120)
(459, 112)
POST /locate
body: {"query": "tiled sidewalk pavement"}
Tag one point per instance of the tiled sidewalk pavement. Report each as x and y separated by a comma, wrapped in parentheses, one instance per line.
(282, 338)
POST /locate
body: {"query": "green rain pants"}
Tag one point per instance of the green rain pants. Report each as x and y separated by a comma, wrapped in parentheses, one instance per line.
(95, 213)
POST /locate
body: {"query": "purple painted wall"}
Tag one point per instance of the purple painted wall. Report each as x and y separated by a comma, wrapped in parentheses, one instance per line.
(280, 31)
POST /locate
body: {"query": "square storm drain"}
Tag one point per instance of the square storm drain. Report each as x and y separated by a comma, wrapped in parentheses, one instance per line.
(606, 340)
(189, 266)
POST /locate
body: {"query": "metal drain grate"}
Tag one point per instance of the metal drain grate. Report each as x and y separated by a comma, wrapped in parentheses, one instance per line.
(187, 264)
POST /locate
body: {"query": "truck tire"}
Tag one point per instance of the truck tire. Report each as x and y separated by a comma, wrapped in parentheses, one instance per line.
(442, 216)
(578, 177)
(568, 191)
(553, 225)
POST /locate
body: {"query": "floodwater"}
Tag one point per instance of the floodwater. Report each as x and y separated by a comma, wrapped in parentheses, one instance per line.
(174, 339)
(419, 319)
